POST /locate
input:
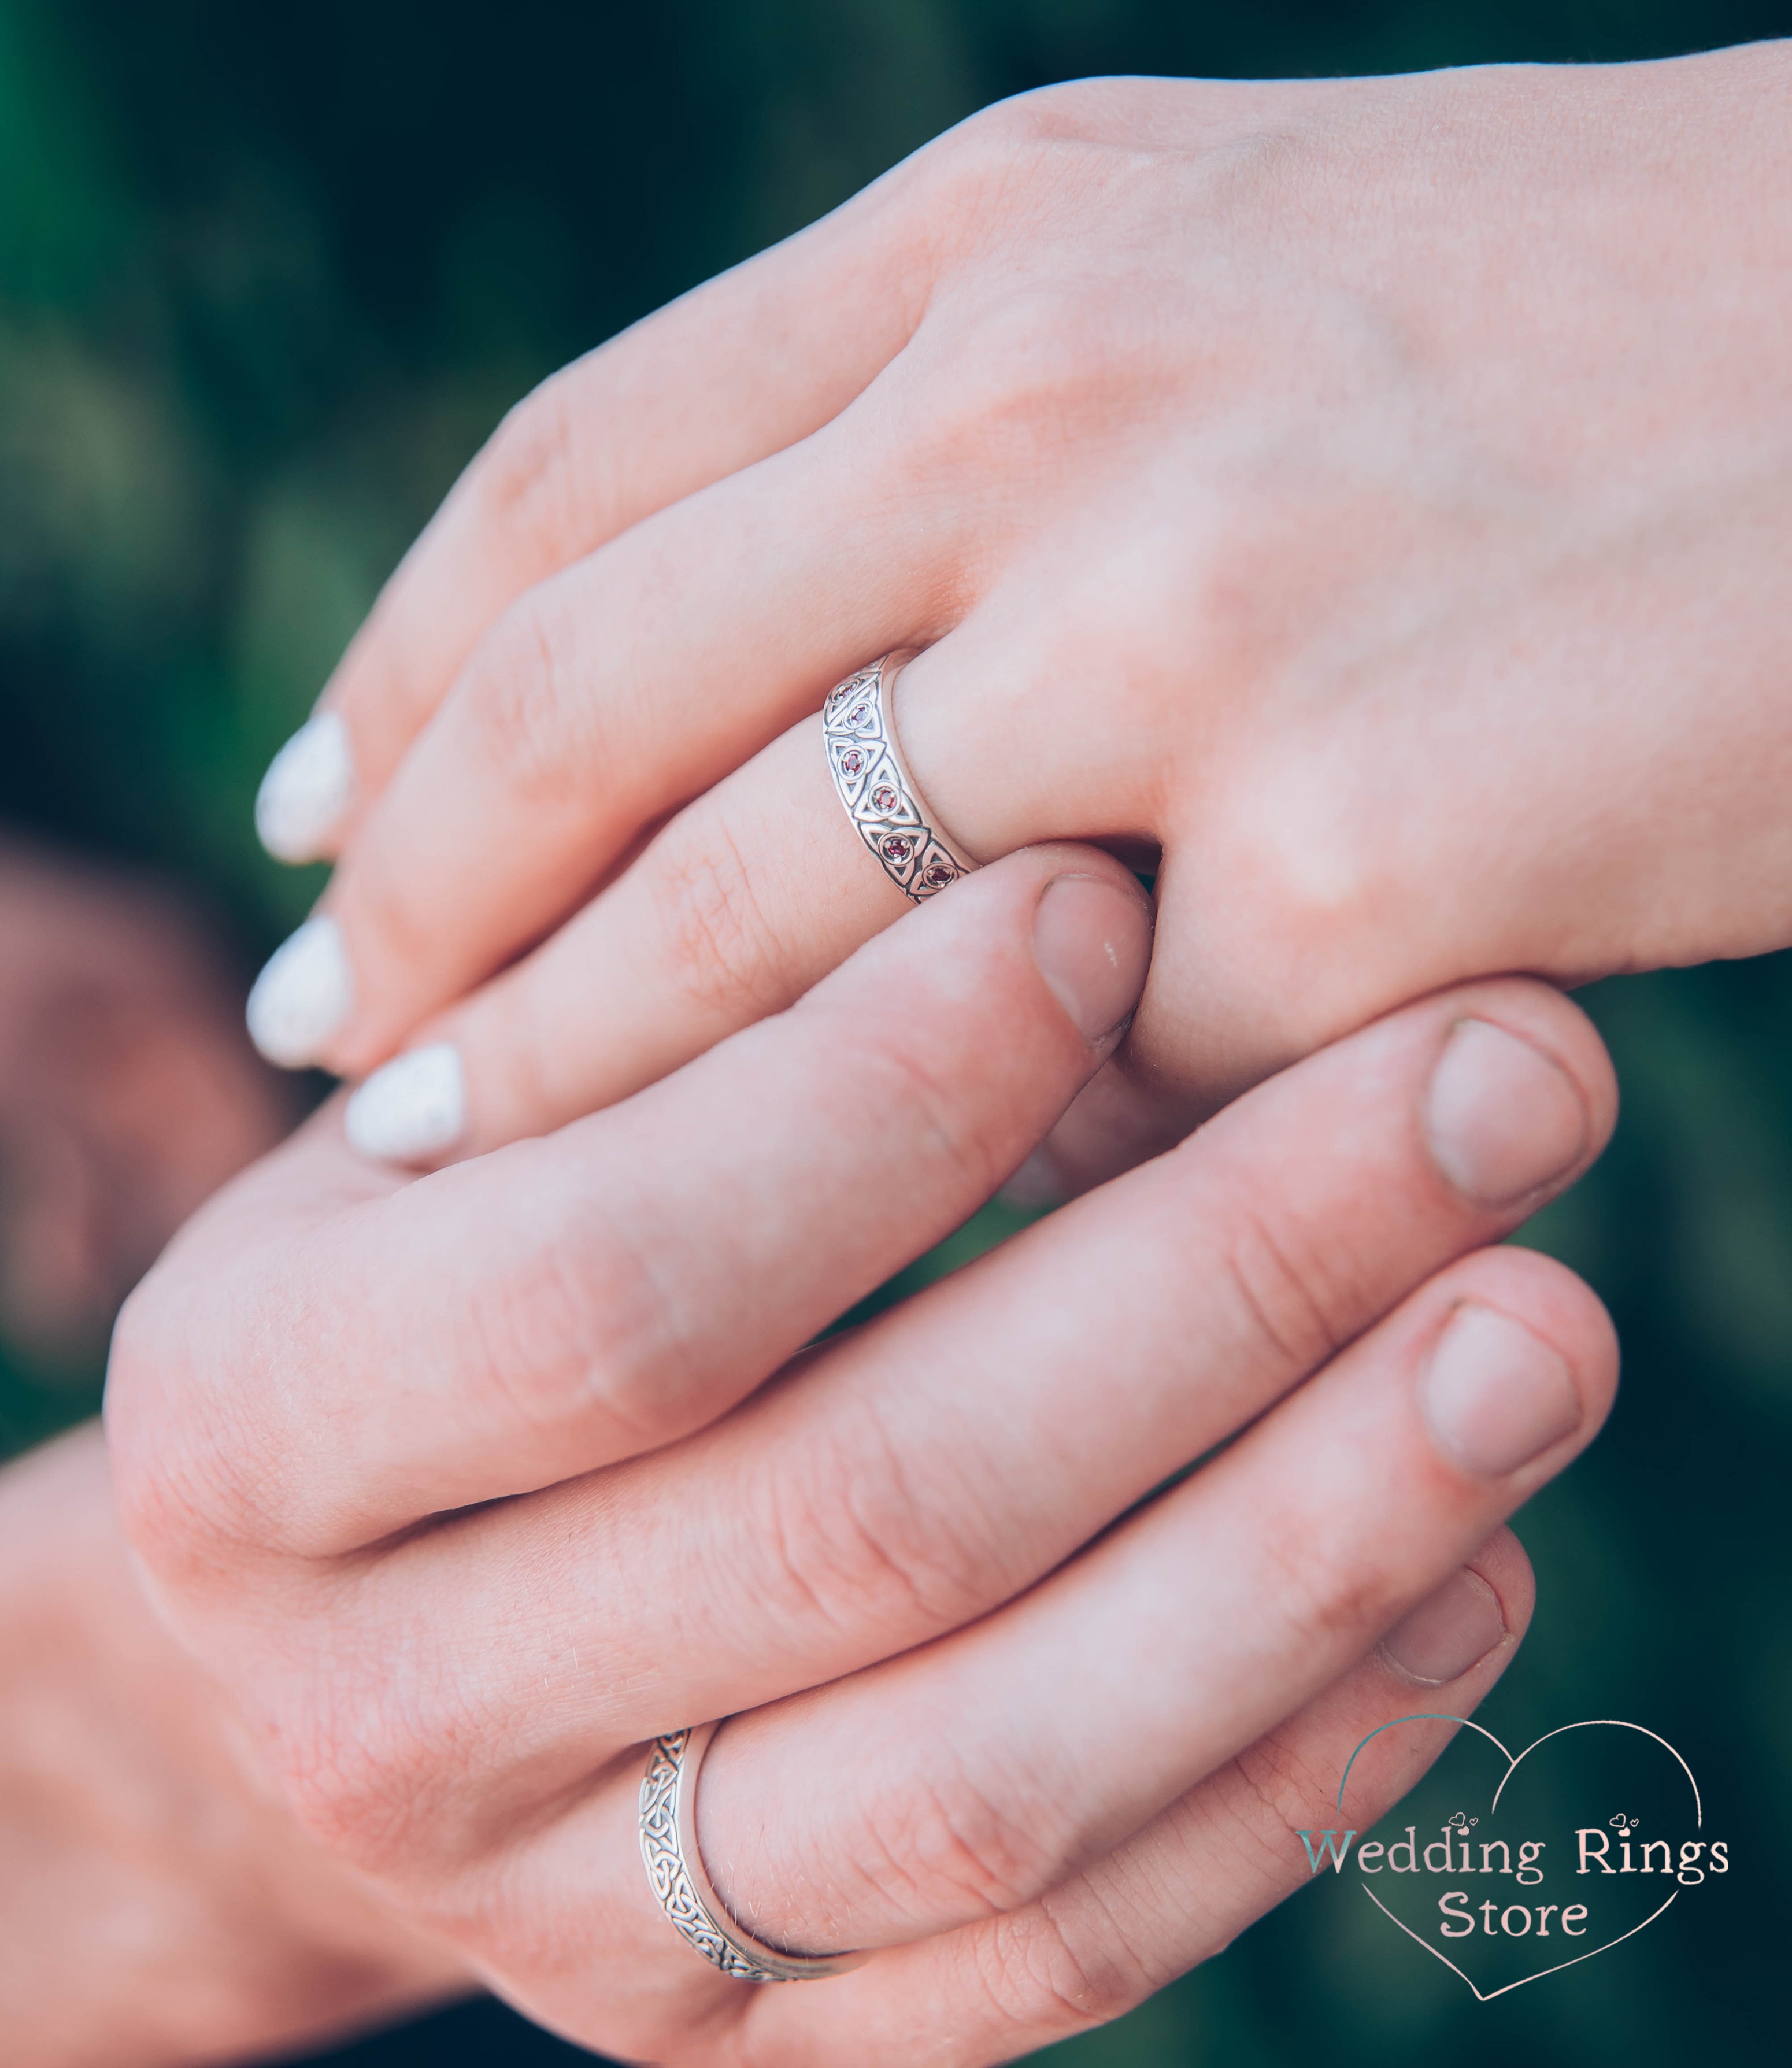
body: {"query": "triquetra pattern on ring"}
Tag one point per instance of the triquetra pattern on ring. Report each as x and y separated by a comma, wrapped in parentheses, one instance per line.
(883, 808)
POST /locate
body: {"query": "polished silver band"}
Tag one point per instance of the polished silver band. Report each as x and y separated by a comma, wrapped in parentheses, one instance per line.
(675, 1868)
(878, 792)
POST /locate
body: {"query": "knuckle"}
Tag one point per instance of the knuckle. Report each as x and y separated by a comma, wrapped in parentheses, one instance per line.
(151, 1505)
(577, 1327)
(1041, 1969)
(967, 176)
(1007, 165)
(943, 1846)
(721, 944)
(843, 1535)
(1242, 586)
(1314, 868)
(168, 1513)
(341, 1721)
(1332, 1580)
(945, 1118)
(190, 1478)
(1285, 1785)
(1257, 1806)
(384, 910)
(1281, 1277)
(534, 708)
(529, 483)
(359, 1741)
(1004, 387)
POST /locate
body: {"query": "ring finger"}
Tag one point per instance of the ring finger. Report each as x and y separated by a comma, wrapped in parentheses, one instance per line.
(967, 1780)
(742, 901)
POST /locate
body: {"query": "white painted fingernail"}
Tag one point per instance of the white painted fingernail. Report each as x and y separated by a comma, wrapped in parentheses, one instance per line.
(412, 1108)
(306, 790)
(302, 996)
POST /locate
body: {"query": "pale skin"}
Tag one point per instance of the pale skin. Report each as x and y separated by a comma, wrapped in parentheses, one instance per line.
(466, 1485)
(1265, 487)
(158, 1904)
(1372, 497)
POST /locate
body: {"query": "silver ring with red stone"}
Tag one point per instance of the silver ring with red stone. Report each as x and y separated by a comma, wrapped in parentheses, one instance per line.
(878, 792)
(675, 1868)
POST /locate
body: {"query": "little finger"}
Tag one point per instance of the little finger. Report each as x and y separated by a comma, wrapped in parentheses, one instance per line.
(1213, 1615)
(1181, 1889)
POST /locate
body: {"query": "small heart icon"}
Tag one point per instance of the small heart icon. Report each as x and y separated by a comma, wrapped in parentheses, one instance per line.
(1543, 1874)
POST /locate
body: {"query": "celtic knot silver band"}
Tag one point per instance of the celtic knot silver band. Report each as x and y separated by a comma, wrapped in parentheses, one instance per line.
(675, 1868)
(878, 792)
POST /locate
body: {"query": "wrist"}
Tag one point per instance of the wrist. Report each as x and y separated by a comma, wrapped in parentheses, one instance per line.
(163, 1907)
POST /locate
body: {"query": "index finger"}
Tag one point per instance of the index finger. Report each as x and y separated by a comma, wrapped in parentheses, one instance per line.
(374, 1352)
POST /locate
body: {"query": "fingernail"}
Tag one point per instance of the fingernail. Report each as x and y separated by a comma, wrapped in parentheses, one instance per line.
(415, 1106)
(1494, 1395)
(306, 790)
(1448, 1632)
(1503, 1118)
(302, 996)
(1092, 941)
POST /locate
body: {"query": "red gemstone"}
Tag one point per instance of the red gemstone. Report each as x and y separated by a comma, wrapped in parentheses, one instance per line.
(937, 874)
(897, 848)
(851, 762)
(886, 798)
(860, 715)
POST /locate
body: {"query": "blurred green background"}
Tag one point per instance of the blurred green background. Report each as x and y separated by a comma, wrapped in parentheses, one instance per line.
(268, 274)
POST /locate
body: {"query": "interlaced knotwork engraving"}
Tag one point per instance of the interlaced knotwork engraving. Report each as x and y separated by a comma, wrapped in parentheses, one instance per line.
(867, 769)
(666, 1867)
(662, 1848)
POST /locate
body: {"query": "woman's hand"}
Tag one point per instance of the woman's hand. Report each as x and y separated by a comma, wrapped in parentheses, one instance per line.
(1376, 494)
(440, 1475)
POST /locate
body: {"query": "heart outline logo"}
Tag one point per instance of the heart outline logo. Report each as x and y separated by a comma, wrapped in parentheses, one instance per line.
(1513, 1762)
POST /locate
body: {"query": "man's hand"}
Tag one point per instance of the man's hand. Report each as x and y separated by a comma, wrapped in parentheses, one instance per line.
(469, 1485)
